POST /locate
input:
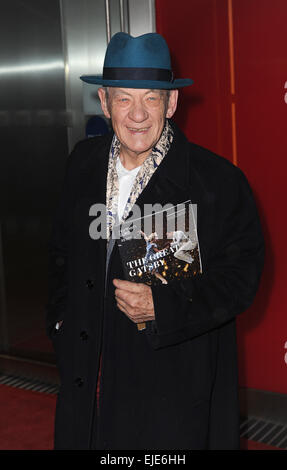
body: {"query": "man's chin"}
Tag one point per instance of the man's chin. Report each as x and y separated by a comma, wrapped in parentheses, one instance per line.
(139, 150)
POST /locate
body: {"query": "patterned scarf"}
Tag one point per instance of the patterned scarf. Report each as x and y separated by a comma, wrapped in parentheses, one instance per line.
(144, 174)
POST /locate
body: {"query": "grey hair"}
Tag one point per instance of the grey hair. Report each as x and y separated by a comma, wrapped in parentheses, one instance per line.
(107, 97)
(165, 94)
(106, 90)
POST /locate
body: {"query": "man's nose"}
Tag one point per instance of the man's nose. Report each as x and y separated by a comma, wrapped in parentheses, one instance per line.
(137, 112)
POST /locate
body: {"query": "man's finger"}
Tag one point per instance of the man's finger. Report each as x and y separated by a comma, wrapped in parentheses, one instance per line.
(131, 309)
(121, 302)
(128, 297)
(128, 285)
(124, 308)
(121, 306)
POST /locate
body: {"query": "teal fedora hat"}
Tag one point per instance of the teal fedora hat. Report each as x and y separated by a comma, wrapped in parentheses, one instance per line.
(137, 62)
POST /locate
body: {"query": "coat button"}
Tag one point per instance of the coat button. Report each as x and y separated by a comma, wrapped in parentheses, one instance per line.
(79, 381)
(60, 261)
(84, 335)
(90, 284)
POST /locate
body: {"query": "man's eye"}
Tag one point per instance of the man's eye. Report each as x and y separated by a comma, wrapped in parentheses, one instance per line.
(152, 100)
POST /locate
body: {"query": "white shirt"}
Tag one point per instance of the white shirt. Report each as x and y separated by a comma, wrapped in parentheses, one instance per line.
(126, 180)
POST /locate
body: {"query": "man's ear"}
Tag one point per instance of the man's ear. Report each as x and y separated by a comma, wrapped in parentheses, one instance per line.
(172, 103)
(104, 104)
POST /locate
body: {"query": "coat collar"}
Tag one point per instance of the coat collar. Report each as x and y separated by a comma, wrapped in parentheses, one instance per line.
(177, 179)
(97, 168)
(171, 179)
(175, 167)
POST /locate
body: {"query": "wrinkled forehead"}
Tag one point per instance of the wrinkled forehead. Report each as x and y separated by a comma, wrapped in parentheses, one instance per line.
(134, 91)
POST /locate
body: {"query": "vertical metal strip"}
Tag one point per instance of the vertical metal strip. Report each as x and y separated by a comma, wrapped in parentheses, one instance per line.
(122, 19)
(232, 81)
(108, 20)
(66, 65)
(124, 16)
(152, 15)
(4, 341)
(127, 16)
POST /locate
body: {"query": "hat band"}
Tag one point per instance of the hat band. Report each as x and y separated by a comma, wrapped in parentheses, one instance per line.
(137, 73)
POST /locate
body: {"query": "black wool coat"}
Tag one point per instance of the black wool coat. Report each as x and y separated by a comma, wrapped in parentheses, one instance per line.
(173, 385)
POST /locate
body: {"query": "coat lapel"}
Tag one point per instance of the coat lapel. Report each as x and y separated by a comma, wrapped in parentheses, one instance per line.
(177, 180)
(93, 193)
(169, 183)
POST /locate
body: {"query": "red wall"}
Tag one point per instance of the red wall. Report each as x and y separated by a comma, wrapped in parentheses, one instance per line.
(235, 50)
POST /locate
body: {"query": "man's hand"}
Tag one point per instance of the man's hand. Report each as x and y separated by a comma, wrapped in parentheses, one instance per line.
(135, 300)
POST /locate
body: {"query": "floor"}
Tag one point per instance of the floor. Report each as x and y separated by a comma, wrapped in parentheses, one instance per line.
(27, 407)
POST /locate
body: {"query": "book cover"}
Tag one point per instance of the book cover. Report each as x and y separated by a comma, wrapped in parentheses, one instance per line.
(161, 246)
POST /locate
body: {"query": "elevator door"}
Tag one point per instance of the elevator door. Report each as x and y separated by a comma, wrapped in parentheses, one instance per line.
(33, 138)
(44, 108)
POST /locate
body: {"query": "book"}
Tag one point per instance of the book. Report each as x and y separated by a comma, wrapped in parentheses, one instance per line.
(161, 246)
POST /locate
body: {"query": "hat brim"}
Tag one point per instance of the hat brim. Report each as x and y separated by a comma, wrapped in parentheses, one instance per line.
(146, 84)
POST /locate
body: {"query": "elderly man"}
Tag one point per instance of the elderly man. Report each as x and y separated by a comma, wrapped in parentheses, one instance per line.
(172, 384)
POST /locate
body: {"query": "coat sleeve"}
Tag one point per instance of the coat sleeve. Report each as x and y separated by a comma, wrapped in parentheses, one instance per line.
(186, 309)
(59, 247)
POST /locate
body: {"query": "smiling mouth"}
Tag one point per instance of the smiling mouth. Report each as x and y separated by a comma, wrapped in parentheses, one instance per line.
(138, 131)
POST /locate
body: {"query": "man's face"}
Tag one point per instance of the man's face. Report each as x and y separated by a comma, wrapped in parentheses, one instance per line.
(138, 117)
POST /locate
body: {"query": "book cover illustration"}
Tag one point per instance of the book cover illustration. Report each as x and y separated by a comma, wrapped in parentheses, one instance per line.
(162, 246)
